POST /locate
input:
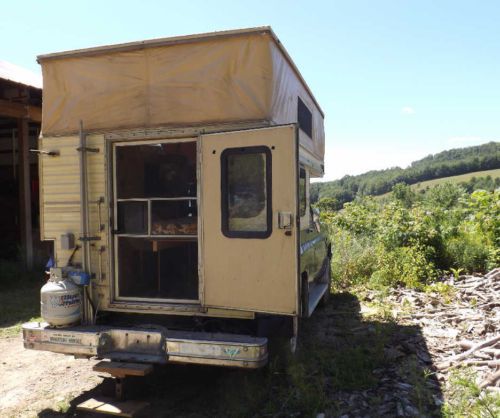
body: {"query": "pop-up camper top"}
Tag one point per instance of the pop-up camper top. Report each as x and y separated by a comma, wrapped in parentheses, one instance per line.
(175, 188)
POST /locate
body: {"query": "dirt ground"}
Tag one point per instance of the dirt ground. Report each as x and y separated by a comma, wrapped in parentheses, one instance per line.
(358, 356)
(32, 381)
(49, 385)
(43, 384)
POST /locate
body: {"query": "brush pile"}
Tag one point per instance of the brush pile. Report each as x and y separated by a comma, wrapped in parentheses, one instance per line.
(426, 335)
(461, 327)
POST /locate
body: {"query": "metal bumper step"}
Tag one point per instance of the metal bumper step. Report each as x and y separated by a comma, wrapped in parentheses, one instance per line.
(121, 369)
(144, 345)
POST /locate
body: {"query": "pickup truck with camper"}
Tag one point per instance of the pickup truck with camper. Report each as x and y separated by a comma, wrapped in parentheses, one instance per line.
(174, 184)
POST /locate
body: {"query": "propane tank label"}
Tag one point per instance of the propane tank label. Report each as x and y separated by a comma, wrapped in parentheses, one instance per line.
(64, 301)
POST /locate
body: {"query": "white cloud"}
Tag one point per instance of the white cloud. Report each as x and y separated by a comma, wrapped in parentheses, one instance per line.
(341, 160)
(407, 110)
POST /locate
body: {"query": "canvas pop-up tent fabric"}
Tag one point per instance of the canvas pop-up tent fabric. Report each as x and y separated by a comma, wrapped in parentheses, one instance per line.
(221, 77)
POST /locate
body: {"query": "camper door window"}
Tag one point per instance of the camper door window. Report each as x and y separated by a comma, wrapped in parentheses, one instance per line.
(246, 192)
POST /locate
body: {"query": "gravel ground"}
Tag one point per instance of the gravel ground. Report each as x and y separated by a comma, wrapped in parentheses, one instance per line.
(32, 381)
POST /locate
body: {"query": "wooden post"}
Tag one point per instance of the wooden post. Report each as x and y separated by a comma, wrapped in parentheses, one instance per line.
(25, 192)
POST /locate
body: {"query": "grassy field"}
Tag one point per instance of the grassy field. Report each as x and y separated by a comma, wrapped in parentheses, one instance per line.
(453, 179)
(456, 179)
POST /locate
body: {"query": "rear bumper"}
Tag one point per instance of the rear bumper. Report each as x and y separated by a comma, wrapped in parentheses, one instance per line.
(148, 345)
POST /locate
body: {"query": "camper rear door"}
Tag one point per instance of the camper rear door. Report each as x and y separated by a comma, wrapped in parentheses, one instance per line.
(249, 228)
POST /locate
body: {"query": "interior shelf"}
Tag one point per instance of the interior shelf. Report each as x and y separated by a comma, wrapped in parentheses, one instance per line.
(145, 199)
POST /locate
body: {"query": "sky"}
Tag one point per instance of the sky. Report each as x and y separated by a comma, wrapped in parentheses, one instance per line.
(397, 80)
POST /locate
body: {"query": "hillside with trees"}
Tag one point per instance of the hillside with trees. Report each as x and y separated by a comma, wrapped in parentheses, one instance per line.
(377, 182)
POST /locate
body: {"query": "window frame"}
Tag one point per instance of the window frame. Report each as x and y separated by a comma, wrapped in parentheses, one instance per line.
(261, 149)
(305, 219)
(303, 170)
(303, 111)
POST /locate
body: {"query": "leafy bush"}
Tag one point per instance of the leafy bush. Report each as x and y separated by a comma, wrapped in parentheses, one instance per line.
(410, 238)
(407, 266)
(468, 251)
(354, 258)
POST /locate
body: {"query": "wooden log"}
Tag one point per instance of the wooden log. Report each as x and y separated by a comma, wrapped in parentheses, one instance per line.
(491, 351)
(459, 357)
(489, 363)
(494, 389)
(490, 380)
(493, 274)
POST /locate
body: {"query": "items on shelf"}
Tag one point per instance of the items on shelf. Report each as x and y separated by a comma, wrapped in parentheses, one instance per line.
(180, 226)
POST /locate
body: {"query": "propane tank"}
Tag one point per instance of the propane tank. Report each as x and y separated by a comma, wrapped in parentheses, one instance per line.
(60, 300)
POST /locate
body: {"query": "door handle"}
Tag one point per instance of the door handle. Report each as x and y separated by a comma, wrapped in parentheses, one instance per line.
(285, 220)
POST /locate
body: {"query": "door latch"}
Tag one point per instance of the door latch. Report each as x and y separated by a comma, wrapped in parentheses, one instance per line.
(285, 220)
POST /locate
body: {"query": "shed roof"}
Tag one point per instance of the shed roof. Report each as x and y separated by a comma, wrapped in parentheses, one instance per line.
(16, 74)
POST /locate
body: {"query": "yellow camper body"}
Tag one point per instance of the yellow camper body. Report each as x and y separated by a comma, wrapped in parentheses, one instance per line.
(182, 166)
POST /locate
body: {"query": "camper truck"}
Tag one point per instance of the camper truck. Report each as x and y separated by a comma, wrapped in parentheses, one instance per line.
(174, 184)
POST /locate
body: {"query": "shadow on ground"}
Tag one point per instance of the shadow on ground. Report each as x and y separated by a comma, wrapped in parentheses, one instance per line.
(19, 305)
(344, 365)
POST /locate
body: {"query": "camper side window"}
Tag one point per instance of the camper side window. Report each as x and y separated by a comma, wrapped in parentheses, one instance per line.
(302, 192)
(246, 192)
(304, 118)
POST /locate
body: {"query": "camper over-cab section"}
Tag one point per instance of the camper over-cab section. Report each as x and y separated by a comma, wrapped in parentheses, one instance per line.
(179, 186)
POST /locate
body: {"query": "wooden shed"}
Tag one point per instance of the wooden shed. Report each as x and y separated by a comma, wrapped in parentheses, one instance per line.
(20, 118)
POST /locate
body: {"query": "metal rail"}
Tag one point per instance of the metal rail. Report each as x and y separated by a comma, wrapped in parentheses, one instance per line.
(87, 311)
